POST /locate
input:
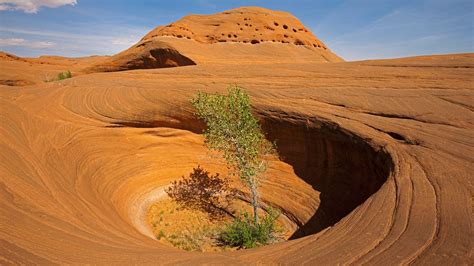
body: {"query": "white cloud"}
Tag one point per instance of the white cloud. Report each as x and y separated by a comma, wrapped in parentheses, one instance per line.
(103, 40)
(125, 41)
(25, 43)
(32, 6)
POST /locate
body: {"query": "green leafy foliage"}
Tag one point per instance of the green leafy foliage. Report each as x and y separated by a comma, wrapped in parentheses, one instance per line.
(64, 75)
(236, 133)
(243, 232)
(232, 130)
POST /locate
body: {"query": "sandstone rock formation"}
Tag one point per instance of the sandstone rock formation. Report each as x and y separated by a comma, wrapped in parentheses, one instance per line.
(9, 57)
(144, 55)
(247, 33)
(375, 156)
(20, 71)
(242, 25)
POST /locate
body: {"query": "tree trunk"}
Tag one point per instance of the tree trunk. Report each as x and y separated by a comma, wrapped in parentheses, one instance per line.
(253, 191)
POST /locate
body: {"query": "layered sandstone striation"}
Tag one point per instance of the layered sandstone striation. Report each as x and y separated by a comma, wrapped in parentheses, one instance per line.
(374, 166)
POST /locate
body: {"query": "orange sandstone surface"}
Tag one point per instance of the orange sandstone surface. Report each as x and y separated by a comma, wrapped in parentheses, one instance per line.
(375, 157)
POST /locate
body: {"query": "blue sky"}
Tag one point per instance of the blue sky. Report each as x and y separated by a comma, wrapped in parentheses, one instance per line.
(354, 29)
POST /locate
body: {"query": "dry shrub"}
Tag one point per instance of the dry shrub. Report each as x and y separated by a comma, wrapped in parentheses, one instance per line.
(202, 191)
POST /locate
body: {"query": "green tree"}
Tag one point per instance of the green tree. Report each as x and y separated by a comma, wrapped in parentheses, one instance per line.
(236, 133)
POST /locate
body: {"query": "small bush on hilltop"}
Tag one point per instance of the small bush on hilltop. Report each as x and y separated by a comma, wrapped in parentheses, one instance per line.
(65, 75)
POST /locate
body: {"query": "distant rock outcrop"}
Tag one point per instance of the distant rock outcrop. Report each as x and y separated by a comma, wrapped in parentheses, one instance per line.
(195, 38)
(10, 57)
(241, 25)
(144, 55)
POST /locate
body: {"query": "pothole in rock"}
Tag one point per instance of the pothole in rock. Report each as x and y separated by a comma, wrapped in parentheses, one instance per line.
(322, 174)
(194, 230)
(342, 167)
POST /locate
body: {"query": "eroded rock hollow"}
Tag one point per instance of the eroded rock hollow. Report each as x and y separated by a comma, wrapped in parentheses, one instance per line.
(344, 168)
(333, 170)
(376, 156)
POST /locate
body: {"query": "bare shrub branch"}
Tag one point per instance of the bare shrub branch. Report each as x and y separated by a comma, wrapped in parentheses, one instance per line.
(202, 191)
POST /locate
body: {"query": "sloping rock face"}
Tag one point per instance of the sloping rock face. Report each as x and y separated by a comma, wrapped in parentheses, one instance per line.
(9, 57)
(243, 34)
(144, 55)
(25, 71)
(241, 25)
(252, 25)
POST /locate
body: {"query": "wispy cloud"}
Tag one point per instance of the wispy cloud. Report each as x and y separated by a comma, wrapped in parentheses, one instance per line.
(63, 35)
(103, 35)
(125, 41)
(105, 41)
(32, 6)
(26, 43)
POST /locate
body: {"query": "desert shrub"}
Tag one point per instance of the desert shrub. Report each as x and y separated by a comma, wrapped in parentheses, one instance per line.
(243, 232)
(64, 75)
(202, 191)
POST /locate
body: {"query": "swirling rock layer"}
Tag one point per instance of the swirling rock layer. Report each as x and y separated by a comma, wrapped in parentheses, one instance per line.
(376, 161)
(375, 158)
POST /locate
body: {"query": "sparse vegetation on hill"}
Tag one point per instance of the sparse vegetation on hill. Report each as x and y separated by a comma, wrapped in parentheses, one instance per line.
(60, 76)
(65, 75)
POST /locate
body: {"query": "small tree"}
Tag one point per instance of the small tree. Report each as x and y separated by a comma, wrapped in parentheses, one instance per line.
(234, 131)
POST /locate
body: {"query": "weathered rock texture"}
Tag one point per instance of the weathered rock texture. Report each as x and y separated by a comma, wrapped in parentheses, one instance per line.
(376, 159)
(241, 25)
(239, 35)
